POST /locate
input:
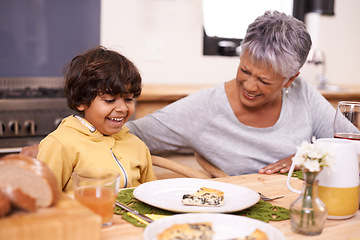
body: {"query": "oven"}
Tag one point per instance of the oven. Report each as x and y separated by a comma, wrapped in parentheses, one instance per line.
(30, 108)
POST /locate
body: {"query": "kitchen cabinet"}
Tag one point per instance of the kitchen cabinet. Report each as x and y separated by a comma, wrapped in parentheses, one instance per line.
(154, 97)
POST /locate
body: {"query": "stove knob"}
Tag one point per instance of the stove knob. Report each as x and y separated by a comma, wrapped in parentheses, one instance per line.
(30, 126)
(14, 126)
(2, 128)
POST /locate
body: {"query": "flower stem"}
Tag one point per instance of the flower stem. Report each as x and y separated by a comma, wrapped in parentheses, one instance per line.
(307, 213)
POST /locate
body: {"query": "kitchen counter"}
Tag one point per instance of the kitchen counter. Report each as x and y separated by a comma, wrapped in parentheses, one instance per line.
(154, 97)
(347, 93)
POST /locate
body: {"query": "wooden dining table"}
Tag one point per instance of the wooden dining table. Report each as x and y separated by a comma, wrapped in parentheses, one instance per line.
(269, 185)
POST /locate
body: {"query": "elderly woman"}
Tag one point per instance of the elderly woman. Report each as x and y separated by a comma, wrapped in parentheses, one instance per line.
(254, 122)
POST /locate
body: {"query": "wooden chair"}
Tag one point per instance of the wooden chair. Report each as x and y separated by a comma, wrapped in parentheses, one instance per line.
(208, 167)
(210, 171)
(178, 167)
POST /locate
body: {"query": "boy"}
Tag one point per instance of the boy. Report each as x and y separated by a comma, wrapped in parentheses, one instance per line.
(101, 85)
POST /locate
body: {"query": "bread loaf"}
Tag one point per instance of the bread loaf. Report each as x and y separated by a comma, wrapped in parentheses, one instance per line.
(19, 199)
(29, 179)
(4, 204)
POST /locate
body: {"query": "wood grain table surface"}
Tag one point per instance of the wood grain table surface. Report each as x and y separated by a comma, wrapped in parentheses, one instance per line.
(269, 185)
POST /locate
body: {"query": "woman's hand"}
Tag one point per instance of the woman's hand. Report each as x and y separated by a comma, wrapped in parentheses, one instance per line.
(283, 165)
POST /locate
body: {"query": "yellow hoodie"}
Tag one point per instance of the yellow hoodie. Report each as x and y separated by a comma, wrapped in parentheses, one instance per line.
(76, 144)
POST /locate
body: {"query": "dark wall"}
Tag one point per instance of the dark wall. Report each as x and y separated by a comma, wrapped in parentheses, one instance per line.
(324, 7)
(39, 37)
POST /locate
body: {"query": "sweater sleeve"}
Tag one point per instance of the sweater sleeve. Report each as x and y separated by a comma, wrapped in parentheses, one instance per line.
(322, 112)
(176, 126)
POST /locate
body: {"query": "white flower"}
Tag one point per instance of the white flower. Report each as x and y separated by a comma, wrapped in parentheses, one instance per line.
(311, 165)
(313, 157)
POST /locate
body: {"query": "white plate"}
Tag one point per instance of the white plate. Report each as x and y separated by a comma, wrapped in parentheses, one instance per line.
(225, 226)
(167, 194)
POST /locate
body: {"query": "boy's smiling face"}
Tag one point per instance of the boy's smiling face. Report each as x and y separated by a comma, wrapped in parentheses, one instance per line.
(108, 113)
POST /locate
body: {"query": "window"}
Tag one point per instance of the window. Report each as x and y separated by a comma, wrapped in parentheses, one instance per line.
(225, 22)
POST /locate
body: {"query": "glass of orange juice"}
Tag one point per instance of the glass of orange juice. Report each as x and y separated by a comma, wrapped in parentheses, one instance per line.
(97, 189)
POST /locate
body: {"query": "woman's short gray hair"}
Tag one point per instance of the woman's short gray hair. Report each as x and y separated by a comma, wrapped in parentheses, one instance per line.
(278, 40)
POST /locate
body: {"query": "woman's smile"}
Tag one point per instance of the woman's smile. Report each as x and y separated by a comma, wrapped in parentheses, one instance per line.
(249, 95)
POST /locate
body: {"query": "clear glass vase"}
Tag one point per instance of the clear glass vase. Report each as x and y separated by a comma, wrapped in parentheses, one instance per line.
(308, 213)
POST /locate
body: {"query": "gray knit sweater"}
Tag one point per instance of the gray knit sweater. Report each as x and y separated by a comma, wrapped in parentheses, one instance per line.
(205, 122)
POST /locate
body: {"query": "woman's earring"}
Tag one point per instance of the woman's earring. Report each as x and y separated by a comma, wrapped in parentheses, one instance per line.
(287, 91)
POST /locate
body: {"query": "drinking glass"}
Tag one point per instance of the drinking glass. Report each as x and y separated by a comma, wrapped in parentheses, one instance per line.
(97, 189)
(347, 120)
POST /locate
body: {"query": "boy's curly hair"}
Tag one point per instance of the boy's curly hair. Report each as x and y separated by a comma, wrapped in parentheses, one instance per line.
(99, 71)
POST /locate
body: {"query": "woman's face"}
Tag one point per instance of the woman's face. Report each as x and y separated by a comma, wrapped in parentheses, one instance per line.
(258, 85)
(109, 113)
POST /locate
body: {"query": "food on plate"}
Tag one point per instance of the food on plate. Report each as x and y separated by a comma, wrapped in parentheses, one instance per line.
(207, 197)
(27, 182)
(200, 231)
(187, 231)
(256, 235)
